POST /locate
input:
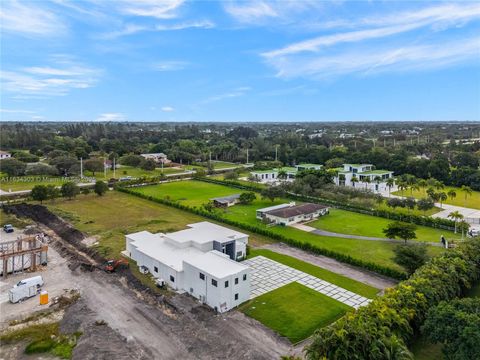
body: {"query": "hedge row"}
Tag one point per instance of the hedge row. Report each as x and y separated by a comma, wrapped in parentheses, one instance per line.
(383, 329)
(392, 215)
(384, 270)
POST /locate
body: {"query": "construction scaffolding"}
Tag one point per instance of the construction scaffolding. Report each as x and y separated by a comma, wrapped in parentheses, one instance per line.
(24, 253)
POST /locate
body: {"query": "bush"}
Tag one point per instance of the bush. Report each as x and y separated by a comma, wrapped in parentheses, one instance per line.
(40, 346)
(25, 157)
(394, 318)
(41, 169)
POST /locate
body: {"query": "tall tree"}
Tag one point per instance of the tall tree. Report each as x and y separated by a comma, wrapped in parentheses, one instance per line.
(398, 229)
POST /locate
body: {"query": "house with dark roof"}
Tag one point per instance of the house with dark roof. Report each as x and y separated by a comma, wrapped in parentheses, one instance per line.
(226, 201)
(288, 214)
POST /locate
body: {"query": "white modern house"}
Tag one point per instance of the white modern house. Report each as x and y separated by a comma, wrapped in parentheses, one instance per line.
(288, 214)
(200, 260)
(363, 176)
(159, 158)
(5, 155)
(271, 176)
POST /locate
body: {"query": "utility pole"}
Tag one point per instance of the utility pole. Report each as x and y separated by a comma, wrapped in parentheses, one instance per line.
(105, 167)
(81, 168)
(247, 155)
(276, 152)
(394, 142)
(114, 167)
(384, 142)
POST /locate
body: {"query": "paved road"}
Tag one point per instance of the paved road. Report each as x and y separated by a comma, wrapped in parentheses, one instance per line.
(348, 236)
(364, 276)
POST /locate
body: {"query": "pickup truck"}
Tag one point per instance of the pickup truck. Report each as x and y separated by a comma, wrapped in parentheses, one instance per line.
(8, 228)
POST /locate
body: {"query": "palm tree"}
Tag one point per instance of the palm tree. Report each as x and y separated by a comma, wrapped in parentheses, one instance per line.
(455, 216)
(442, 197)
(390, 184)
(354, 180)
(402, 186)
(464, 226)
(467, 190)
(413, 188)
(438, 185)
(431, 182)
(423, 184)
(282, 174)
(366, 180)
(452, 194)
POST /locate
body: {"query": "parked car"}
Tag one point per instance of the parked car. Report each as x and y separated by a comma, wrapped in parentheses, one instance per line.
(25, 288)
(8, 228)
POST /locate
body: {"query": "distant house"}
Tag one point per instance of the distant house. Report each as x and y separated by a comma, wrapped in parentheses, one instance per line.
(4, 155)
(159, 158)
(226, 201)
(289, 173)
(288, 214)
(364, 177)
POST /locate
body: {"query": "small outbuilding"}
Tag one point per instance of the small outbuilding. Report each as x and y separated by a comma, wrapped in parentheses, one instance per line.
(288, 214)
(226, 201)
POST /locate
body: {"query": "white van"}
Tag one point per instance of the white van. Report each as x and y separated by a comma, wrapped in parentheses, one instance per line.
(25, 288)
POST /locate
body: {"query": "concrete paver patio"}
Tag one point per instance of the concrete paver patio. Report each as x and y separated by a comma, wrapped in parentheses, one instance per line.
(267, 275)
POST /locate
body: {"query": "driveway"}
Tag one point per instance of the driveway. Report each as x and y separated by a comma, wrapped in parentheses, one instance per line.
(267, 275)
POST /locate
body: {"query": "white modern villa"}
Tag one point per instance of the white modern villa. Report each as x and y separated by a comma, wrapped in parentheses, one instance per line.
(363, 176)
(201, 260)
(271, 176)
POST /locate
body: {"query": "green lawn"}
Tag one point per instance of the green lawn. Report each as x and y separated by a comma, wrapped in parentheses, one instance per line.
(339, 280)
(347, 222)
(27, 185)
(133, 172)
(196, 193)
(472, 201)
(294, 311)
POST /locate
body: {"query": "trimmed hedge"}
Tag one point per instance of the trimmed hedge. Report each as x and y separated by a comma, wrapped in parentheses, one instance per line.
(392, 215)
(382, 329)
(384, 270)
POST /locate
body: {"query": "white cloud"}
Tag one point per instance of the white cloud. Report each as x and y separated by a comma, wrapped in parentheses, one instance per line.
(250, 11)
(170, 65)
(42, 81)
(167, 109)
(16, 111)
(160, 9)
(239, 91)
(28, 19)
(111, 117)
(365, 62)
(324, 56)
(201, 24)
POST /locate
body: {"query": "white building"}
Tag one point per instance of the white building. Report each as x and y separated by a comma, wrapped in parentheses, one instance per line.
(271, 176)
(4, 155)
(288, 214)
(199, 260)
(226, 201)
(364, 177)
(157, 157)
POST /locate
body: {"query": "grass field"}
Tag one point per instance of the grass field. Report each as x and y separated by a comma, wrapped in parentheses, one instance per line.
(294, 311)
(367, 225)
(196, 193)
(133, 172)
(339, 280)
(27, 185)
(472, 201)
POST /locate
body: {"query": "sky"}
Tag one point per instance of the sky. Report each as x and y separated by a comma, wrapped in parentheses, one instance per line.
(239, 61)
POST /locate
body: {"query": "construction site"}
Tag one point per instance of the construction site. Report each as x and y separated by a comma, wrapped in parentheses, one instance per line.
(116, 314)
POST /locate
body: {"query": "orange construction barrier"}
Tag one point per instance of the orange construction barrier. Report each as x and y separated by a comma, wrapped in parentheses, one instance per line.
(44, 298)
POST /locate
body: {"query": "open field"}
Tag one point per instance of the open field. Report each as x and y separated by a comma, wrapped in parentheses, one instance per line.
(27, 185)
(472, 201)
(367, 225)
(196, 193)
(294, 311)
(133, 172)
(339, 280)
(115, 214)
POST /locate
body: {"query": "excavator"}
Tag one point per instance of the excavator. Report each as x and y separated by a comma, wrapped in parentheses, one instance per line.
(112, 265)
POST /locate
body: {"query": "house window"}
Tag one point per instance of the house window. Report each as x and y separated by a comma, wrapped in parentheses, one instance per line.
(172, 279)
(236, 281)
(244, 277)
(155, 269)
(236, 296)
(202, 276)
(214, 282)
(226, 284)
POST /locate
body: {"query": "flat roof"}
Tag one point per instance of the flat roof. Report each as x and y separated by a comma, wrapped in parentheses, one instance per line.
(309, 165)
(203, 232)
(373, 172)
(357, 165)
(275, 207)
(226, 199)
(216, 264)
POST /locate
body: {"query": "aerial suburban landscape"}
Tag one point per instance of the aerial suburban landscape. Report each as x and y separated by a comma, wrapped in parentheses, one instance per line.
(240, 180)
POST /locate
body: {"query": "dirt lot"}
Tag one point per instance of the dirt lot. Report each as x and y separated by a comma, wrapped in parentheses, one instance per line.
(138, 326)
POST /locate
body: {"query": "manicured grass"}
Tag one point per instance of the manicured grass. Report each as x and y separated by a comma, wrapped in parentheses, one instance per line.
(196, 193)
(472, 201)
(133, 172)
(347, 222)
(225, 165)
(294, 311)
(27, 185)
(339, 280)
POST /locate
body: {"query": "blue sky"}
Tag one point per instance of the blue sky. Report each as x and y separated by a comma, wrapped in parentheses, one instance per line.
(174, 60)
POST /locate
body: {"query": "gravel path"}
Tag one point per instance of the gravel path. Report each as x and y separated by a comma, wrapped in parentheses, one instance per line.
(364, 276)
